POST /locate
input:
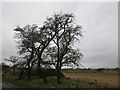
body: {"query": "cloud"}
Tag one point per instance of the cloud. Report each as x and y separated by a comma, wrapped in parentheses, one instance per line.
(99, 21)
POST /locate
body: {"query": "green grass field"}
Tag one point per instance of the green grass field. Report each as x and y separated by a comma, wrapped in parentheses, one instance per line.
(38, 83)
(73, 79)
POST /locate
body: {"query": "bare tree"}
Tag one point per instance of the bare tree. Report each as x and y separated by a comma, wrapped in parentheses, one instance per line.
(46, 35)
(4, 67)
(33, 41)
(57, 33)
(62, 51)
(21, 64)
(13, 60)
(26, 43)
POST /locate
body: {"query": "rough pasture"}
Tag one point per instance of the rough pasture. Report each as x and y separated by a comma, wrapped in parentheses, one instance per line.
(107, 78)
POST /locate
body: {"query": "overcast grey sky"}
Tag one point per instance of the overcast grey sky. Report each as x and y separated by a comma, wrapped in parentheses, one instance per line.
(99, 21)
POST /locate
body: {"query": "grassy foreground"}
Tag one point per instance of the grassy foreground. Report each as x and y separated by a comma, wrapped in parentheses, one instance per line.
(37, 83)
(73, 79)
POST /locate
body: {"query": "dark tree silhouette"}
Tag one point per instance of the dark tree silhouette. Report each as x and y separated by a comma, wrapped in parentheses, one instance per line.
(13, 60)
(33, 41)
(26, 44)
(21, 64)
(52, 42)
(4, 68)
(62, 52)
(46, 35)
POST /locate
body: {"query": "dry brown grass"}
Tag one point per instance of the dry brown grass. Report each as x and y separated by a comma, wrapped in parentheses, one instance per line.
(108, 78)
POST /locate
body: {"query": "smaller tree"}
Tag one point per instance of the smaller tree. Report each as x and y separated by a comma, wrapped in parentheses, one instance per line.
(21, 64)
(13, 60)
(26, 44)
(4, 67)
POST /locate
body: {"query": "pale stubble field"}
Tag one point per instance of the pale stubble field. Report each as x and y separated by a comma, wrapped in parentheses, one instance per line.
(107, 78)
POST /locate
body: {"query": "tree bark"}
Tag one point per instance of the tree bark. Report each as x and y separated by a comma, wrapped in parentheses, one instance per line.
(58, 76)
(29, 72)
(29, 66)
(14, 70)
(21, 74)
(41, 73)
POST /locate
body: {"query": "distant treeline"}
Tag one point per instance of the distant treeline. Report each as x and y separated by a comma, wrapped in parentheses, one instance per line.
(92, 68)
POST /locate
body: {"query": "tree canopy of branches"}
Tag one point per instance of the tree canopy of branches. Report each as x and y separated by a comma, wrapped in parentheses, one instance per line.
(53, 42)
(27, 39)
(33, 41)
(62, 52)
